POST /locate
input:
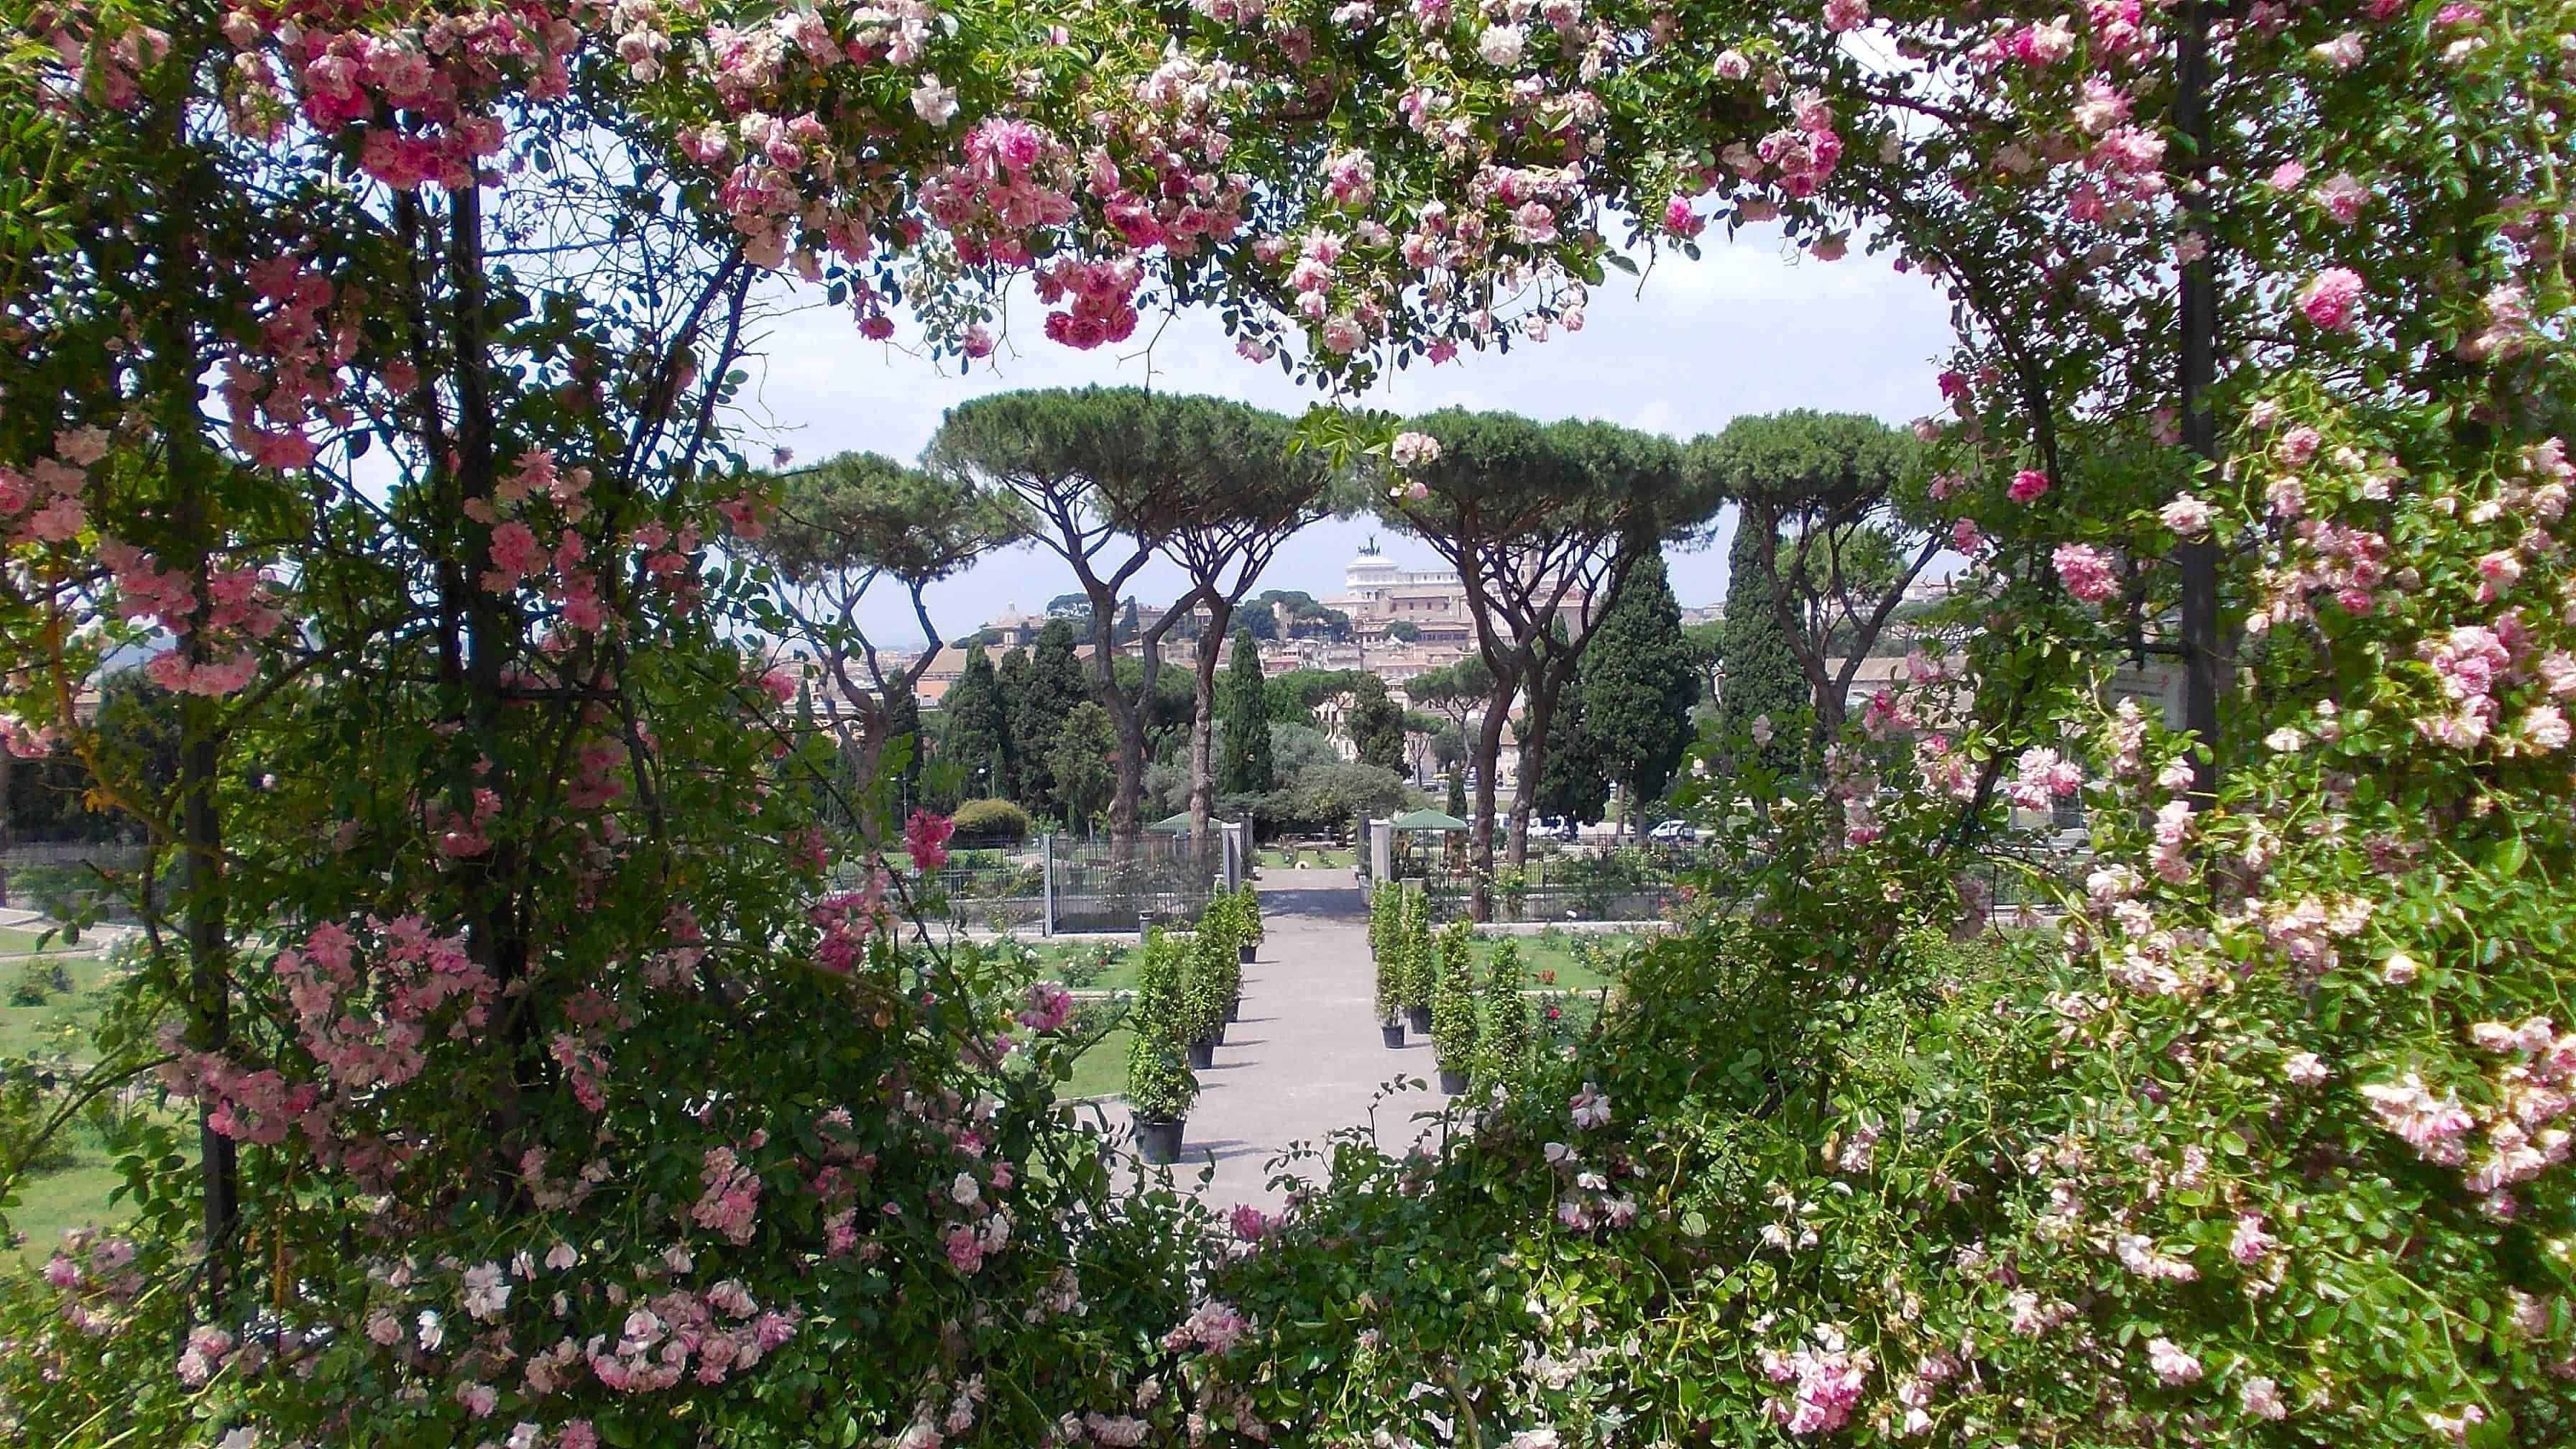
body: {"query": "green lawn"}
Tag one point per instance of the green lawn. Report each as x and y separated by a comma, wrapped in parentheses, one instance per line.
(61, 1024)
(1326, 859)
(1543, 955)
(1080, 965)
(72, 1198)
(1101, 1071)
(14, 941)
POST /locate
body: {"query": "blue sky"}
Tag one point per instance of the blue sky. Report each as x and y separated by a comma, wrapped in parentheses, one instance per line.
(1748, 329)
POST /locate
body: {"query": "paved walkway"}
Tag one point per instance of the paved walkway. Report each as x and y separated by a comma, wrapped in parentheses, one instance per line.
(1306, 1059)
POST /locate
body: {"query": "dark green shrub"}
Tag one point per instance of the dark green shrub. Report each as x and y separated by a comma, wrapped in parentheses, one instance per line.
(38, 980)
(992, 820)
(1454, 1032)
(1160, 1083)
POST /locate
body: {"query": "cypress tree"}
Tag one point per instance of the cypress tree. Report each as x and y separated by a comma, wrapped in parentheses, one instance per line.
(903, 722)
(975, 723)
(1762, 674)
(1244, 766)
(1377, 725)
(1457, 802)
(1639, 681)
(1573, 782)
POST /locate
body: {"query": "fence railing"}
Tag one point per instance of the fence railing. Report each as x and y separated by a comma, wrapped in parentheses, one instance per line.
(1102, 885)
(1451, 895)
(63, 876)
(1057, 886)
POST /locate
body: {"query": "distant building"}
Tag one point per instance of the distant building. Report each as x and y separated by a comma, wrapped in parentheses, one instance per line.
(1378, 595)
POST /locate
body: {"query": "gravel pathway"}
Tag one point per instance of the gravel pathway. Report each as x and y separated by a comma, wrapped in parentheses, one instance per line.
(1306, 1059)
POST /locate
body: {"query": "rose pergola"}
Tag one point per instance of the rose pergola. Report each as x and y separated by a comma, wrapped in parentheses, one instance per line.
(371, 373)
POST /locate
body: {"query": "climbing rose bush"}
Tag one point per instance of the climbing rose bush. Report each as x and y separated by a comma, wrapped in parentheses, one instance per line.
(370, 376)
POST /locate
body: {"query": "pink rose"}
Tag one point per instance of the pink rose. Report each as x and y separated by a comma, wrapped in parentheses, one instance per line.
(926, 836)
(2086, 572)
(2328, 301)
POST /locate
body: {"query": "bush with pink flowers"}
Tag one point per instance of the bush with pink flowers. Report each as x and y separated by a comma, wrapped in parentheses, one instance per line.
(371, 375)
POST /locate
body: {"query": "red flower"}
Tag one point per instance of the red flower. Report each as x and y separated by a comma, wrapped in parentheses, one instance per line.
(926, 836)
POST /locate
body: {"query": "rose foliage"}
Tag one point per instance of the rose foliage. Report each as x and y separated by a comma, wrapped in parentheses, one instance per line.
(372, 377)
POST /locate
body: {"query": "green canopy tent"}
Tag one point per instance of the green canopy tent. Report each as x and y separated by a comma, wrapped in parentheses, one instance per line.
(1428, 820)
(1170, 825)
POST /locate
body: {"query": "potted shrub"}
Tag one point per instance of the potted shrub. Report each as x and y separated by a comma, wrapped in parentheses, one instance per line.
(1386, 919)
(1386, 949)
(1419, 964)
(1247, 920)
(1160, 1084)
(1503, 1039)
(1453, 1009)
(1210, 976)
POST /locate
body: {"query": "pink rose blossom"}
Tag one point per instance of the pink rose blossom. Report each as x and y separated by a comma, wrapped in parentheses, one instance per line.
(925, 836)
(2329, 300)
(2342, 197)
(2027, 486)
(2186, 515)
(1048, 1007)
(2086, 572)
(2173, 1366)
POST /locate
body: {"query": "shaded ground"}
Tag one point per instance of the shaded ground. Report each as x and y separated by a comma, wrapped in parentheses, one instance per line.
(1306, 1059)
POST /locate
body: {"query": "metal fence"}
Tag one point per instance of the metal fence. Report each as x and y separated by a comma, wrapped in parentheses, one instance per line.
(59, 877)
(1619, 886)
(1056, 885)
(1101, 885)
(1005, 890)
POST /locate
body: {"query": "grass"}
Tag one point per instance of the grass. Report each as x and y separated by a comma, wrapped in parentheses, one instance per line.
(1101, 1071)
(72, 1198)
(62, 1023)
(1319, 859)
(77, 1195)
(1075, 964)
(1555, 953)
(16, 942)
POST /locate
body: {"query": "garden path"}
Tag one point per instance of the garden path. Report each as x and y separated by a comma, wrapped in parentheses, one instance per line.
(1306, 1059)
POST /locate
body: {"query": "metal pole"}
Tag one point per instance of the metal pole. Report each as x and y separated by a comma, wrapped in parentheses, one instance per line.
(1046, 872)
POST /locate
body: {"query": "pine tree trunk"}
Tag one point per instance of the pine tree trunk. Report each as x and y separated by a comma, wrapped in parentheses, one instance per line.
(1533, 753)
(1203, 720)
(1480, 837)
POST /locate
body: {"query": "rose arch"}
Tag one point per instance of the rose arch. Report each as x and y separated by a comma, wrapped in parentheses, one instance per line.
(372, 381)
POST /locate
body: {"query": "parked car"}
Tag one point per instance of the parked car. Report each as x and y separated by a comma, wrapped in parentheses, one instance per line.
(1675, 832)
(1554, 827)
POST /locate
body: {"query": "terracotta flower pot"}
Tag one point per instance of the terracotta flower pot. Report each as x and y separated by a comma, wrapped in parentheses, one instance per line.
(1158, 1139)
(1203, 1053)
(1393, 1031)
